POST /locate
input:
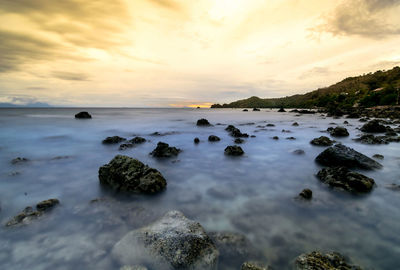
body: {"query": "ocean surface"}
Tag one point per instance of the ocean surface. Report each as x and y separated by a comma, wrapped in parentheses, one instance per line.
(254, 194)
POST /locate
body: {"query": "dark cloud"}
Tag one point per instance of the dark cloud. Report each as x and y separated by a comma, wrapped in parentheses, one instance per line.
(367, 18)
(69, 76)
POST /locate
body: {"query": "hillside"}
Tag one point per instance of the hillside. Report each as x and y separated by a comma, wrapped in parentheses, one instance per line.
(368, 90)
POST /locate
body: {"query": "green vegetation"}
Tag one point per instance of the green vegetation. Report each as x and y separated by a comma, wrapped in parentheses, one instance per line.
(368, 90)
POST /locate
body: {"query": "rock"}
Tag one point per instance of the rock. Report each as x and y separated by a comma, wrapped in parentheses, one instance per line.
(126, 174)
(25, 217)
(341, 155)
(196, 140)
(83, 115)
(235, 132)
(286, 131)
(373, 126)
(345, 123)
(295, 124)
(298, 152)
(239, 141)
(281, 110)
(270, 125)
(377, 156)
(245, 110)
(275, 138)
(113, 140)
(290, 138)
(19, 160)
(137, 140)
(322, 141)
(363, 120)
(234, 150)
(318, 261)
(172, 242)
(254, 266)
(338, 132)
(256, 110)
(213, 138)
(203, 122)
(342, 177)
(161, 134)
(306, 112)
(134, 267)
(47, 205)
(306, 194)
(163, 150)
(125, 146)
(371, 139)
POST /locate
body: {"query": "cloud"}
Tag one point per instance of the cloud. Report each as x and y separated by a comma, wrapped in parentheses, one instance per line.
(16, 101)
(315, 72)
(70, 76)
(166, 4)
(367, 18)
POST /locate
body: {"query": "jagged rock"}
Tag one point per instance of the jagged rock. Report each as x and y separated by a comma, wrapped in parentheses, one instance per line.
(373, 126)
(113, 140)
(255, 266)
(239, 140)
(306, 194)
(163, 150)
(341, 155)
(338, 132)
(203, 122)
(233, 150)
(322, 141)
(281, 110)
(295, 124)
(137, 140)
(298, 152)
(196, 140)
(19, 160)
(213, 138)
(318, 261)
(47, 205)
(126, 174)
(83, 115)
(172, 242)
(342, 177)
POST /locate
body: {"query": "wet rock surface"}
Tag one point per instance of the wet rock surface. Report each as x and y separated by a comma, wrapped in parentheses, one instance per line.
(83, 115)
(137, 140)
(373, 126)
(235, 132)
(196, 140)
(322, 141)
(255, 266)
(163, 150)
(341, 155)
(203, 122)
(172, 242)
(338, 132)
(113, 140)
(318, 261)
(306, 194)
(47, 205)
(234, 150)
(213, 138)
(126, 174)
(342, 177)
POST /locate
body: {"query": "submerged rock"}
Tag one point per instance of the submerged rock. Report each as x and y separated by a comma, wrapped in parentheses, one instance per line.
(47, 204)
(196, 140)
(164, 150)
(306, 194)
(203, 122)
(137, 140)
(234, 150)
(322, 141)
(373, 126)
(239, 141)
(255, 266)
(275, 138)
(125, 146)
(342, 177)
(299, 152)
(235, 132)
(126, 174)
(83, 115)
(318, 261)
(213, 138)
(19, 160)
(172, 242)
(341, 155)
(378, 156)
(338, 132)
(113, 140)
(290, 138)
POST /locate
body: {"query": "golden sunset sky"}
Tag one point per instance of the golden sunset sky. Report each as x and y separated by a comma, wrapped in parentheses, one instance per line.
(159, 53)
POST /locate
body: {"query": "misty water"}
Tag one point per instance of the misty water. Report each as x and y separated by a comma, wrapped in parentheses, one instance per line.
(253, 194)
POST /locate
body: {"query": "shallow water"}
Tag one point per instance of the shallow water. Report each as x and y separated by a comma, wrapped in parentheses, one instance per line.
(254, 194)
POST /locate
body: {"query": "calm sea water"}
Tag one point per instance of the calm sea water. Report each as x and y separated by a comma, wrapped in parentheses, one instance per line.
(254, 194)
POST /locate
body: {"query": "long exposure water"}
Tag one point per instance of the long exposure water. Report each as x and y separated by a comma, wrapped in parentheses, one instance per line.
(253, 194)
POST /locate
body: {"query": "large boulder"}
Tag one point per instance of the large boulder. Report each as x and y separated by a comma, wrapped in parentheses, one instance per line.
(83, 115)
(342, 177)
(318, 261)
(373, 126)
(338, 131)
(203, 122)
(164, 150)
(341, 155)
(172, 242)
(126, 174)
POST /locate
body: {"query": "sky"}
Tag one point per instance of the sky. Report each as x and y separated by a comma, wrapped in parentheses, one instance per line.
(177, 53)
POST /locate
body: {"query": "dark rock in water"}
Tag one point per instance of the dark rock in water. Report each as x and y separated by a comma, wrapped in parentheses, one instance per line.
(125, 146)
(281, 110)
(363, 119)
(172, 242)
(47, 204)
(371, 139)
(338, 132)
(295, 124)
(290, 138)
(345, 123)
(373, 126)
(113, 140)
(306, 112)
(130, 175)
(164, 150)
(196, 140)
(164, 133)
(255, 266)
(19, 160)
(245, 110)
(256, 110)
(299, 152)
(270, 125)
(239, 140)
(234, 150)
(353, 115)
(235, 132)
(213, 138)
(318, 261)
(393, 187)
(322, 141)
(275, 138)
(306, 194)
(83, 115)
(234, 249)
(341, 155)
(203, 122)
(342, 177)
(286, 131)
(137, 140)
(377, 156)
(252, 136)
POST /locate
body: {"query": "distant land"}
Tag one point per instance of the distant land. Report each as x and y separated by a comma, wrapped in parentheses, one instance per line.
(368, 90)
(28, 105)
